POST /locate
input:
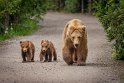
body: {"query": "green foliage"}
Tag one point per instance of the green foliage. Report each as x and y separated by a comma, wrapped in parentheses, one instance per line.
(10, 6)
(52, 5)
(72, 6)
(16, 11)
(26, 27)
(111, 15)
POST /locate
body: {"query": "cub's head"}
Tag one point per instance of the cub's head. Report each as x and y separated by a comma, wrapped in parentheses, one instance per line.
(44, 45)
(76, 34)
(24, 45)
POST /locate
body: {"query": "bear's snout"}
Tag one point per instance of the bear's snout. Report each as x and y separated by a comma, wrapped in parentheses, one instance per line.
(24, 49)
(76, 45)
(44, 50)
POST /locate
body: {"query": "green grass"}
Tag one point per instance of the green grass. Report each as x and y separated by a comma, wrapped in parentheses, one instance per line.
(27, 27)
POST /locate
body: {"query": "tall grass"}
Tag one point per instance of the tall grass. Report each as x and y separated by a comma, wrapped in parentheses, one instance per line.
(26, 27)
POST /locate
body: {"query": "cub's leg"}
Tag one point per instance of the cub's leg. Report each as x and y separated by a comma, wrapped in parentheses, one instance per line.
(28, 57)
(23, 57)
(50, 57)
(54, 56)
(41, 56)
(46, 57)
(32, 58)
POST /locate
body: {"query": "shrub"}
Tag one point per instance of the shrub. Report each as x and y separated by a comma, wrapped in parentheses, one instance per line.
(111, 15)
(26, 27)
(14, 12)
(72, 6)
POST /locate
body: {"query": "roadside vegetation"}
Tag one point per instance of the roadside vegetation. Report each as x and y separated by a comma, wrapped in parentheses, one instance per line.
(20, 17)
(111, 16)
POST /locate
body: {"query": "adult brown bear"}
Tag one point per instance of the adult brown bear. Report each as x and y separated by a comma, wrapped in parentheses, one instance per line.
(27, 51)
(75, 43)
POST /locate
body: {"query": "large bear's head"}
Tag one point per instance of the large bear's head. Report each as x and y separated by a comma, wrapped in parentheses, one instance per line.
(24, 45)
(76, 33)
(44, 45)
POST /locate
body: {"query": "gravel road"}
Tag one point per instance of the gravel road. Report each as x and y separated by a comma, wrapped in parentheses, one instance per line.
(100, 67)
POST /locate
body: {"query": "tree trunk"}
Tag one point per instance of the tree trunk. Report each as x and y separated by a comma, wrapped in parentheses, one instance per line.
(89, 6)
(6, 22)
(82, 7)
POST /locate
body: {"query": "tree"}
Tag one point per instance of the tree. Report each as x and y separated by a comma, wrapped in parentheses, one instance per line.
(111, 15)
(14, 11)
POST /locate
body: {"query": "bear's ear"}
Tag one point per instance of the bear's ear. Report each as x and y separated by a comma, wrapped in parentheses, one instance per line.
(20, 42)
(66, 25)
(65, 32)
(47, 41)
(42, 41)
(72, 29)
(83, 28)
(28, 41)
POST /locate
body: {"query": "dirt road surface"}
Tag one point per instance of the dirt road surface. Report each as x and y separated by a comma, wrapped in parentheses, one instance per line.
(100, 67)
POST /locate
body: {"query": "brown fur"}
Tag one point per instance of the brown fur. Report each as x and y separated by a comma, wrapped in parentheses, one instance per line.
(27, 51)
(47, 51)
(75, 43)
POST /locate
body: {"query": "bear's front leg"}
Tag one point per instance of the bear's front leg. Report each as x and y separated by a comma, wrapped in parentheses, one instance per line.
(32, 59)
(80, 59)
(28, 57)
(67, 56)
(23, 57)
(41, 56)
(75, 56)
(50, 57)
(54, 56)
(46, 57)
(81, 63)
(31, 56)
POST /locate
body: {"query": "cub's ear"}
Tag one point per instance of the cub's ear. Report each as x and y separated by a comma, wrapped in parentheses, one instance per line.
(84, 26)
(20, 42)
(47, 41)
(42, 41)
(28, 43)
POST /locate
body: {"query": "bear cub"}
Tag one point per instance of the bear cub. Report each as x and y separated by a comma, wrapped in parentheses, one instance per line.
(27, 51)
(47, 51)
